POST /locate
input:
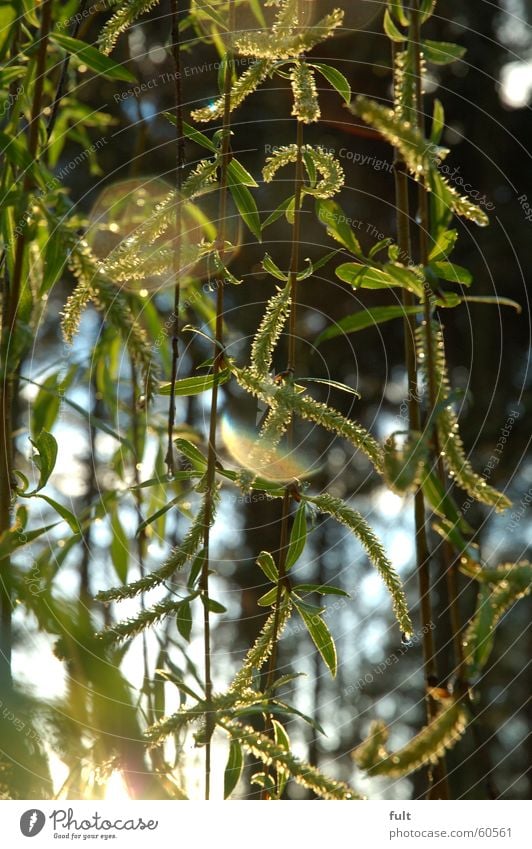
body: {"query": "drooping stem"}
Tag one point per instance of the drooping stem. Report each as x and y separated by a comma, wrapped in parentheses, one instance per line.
(449, 561)
(141, 534)
(178, 225)
(217, 367)
(414, 414)
(10, 306)
(290, 367)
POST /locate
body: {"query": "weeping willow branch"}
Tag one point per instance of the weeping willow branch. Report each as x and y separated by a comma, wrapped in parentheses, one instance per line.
(178, 224)
(261, 746)
(404, 106)
(217, 368)
(427, 747)
(10, 306)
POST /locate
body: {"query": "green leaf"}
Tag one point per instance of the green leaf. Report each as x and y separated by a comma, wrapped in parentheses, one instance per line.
(195, 385)
(46, 446)
(14, 539)
(321, 637)
(213, 606)
(298, 537)
(233, 769)
(119, 547)
(333, 384)
(337, 225)
(196, 568)
(191, 453)
(279, 212)
(492, 299)
(267, 564)
(272, 268)
(65, 514)
(426, 9)
(157, 515)
(282, 739)
(240, 174)
(184, 620)
(364, 319)
(90, 56)
(442, 52)
(438, 122)
(268, 598)
(443, 246)
(193, 134)
(322, 589)
(335, 78)
(398, 11)
(391, 30)
(452, 272)
(245, 203)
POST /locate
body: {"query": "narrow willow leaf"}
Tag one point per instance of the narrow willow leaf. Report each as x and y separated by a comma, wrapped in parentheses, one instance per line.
(385, 277)
(451, 272)
(272, 753)
(364, 319)
(279, 212)
(233, 769)
(391, 30)
(158, 513)
(189, 450)
(65, 514)
(92, 58)
(444, 246)
(267, 564)
(438, 122)
(336, 222)
(321, 636)
(119, 547)
(332, 384)
(298, 537)
(335, 78)
(398, 11)
(245, 203)
(353, 520)
(195, 385)
(440, 735)
(442, 52)
(183, 620)
(322, 589)
(46, 446)
(492, 299)
(493, 602)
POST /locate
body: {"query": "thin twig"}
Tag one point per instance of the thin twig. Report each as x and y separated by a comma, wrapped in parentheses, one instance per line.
(423, 556)
(213, 417)
(178, 224)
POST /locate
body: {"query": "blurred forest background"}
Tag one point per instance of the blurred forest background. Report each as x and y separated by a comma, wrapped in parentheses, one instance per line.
(487, 99)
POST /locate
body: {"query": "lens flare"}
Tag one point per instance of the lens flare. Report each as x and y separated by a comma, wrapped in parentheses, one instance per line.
(138, 227)
(264, 459)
